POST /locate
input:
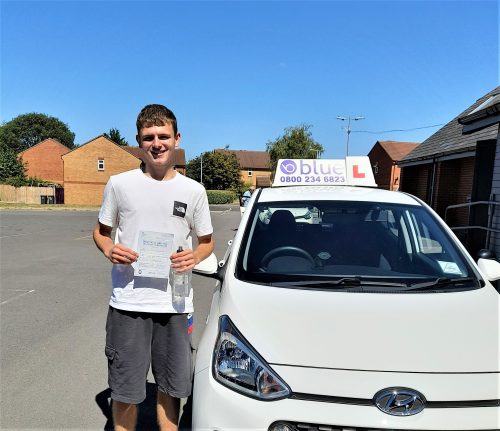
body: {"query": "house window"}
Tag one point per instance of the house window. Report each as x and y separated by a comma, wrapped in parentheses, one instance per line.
(100, 165)
(250, 172)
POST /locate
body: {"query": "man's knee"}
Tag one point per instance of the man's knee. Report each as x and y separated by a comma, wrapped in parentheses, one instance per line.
(168, 411)
(124, 415)
(168, 401)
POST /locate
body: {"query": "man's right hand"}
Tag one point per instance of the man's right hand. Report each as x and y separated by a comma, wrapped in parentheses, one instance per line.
(116, 253)
(120, 254)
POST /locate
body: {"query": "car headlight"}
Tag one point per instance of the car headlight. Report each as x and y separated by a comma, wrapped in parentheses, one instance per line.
(239, 367)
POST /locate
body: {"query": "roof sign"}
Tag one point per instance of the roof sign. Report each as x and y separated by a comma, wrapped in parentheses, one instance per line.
(353, 171)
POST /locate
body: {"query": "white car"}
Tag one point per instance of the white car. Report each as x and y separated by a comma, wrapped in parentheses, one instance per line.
(374, 317)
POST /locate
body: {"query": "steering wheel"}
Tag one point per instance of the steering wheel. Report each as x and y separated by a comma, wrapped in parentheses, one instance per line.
(286, 250)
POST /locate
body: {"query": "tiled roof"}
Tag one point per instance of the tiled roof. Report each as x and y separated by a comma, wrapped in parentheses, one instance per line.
(135, 151)
(397, 150)
(249, 159)
(179, 160)
(449, 139)
(263, 181)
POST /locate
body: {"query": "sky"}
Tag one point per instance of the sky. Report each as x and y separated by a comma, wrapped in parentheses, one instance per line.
(237, 73)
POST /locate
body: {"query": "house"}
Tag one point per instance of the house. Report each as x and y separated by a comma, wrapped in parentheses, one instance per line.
(455, 166)
(384, 156)
(44, 160)
(254, 166)
(485, 116)
(87, 168)
(179, 161)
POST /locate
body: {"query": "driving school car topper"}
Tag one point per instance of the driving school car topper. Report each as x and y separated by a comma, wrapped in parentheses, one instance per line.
(353, 171)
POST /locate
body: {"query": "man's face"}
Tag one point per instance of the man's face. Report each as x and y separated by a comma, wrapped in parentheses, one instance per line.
(158, 143)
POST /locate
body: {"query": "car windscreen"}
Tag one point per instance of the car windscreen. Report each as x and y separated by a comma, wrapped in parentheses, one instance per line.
(351, 243)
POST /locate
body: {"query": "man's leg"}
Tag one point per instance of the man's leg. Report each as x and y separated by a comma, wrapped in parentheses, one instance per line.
(124, 416)
(128, 340)
(168, 412)
(171, 360)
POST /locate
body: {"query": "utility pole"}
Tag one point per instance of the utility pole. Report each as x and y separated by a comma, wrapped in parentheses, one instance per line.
(348, 129)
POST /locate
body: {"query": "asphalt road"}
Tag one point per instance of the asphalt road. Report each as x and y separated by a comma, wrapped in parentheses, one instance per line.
(54, 293)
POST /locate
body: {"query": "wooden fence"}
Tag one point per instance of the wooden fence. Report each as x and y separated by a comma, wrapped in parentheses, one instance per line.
(27, 195)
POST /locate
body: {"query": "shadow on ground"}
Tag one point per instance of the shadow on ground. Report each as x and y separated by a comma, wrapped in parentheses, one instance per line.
(147, 411)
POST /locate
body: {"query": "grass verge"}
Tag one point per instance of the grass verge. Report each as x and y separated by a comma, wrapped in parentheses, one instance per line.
(47, 207)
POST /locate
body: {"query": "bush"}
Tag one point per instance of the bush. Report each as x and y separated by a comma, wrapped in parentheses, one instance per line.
(12, 169)
(221, 196)
(18, 181)
(38, 182)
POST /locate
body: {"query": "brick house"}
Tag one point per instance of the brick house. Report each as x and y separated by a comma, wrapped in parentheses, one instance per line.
(44, 160)
(254, 166)
(384, 156)
(451, 168)
(87, 168)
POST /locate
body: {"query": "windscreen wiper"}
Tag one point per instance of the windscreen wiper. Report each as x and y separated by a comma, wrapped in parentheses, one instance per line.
(341, 283)
(441, 282)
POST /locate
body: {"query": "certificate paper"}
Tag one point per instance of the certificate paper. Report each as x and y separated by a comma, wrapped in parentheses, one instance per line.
(154, 250)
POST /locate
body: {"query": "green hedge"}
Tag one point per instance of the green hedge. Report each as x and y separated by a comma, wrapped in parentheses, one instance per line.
(221, 196)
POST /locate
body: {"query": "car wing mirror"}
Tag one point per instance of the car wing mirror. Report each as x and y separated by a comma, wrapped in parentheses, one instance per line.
(208, 267)
(490, 268)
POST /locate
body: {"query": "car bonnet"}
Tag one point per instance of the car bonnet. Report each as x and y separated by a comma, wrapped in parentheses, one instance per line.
(424, 332)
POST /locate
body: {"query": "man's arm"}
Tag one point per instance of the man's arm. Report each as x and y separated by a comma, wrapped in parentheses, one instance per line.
(116, 253)
(187, 259)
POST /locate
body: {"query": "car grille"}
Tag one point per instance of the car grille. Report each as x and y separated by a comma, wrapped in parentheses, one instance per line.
(300, 426)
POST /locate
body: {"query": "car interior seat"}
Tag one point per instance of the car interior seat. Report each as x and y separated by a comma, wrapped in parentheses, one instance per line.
(283, 233)
(282, 229)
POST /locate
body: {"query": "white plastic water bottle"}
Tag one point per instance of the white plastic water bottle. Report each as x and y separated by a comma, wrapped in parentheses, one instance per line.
(180, 281)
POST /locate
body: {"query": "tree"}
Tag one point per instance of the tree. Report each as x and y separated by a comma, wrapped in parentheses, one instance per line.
(296, 143)
(27, 130)
(12, 170)
(116, 137)
(221, 171)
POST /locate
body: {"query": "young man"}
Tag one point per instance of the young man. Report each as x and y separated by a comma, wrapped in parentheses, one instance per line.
(153, 209)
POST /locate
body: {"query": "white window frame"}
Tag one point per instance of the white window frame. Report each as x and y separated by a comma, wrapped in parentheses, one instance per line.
(250, 172)
(100, 165)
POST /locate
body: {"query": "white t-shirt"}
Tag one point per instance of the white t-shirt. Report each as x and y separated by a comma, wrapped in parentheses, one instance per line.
(134, 202)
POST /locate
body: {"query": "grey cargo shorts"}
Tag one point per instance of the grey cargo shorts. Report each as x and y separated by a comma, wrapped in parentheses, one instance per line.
(136, 340)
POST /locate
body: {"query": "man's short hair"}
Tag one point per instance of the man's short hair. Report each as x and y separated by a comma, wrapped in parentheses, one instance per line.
(156, 115)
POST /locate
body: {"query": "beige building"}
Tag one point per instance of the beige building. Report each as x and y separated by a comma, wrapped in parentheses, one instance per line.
(87, 168)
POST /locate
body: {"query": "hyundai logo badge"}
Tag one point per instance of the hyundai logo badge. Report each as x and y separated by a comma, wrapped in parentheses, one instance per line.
(399, 401)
